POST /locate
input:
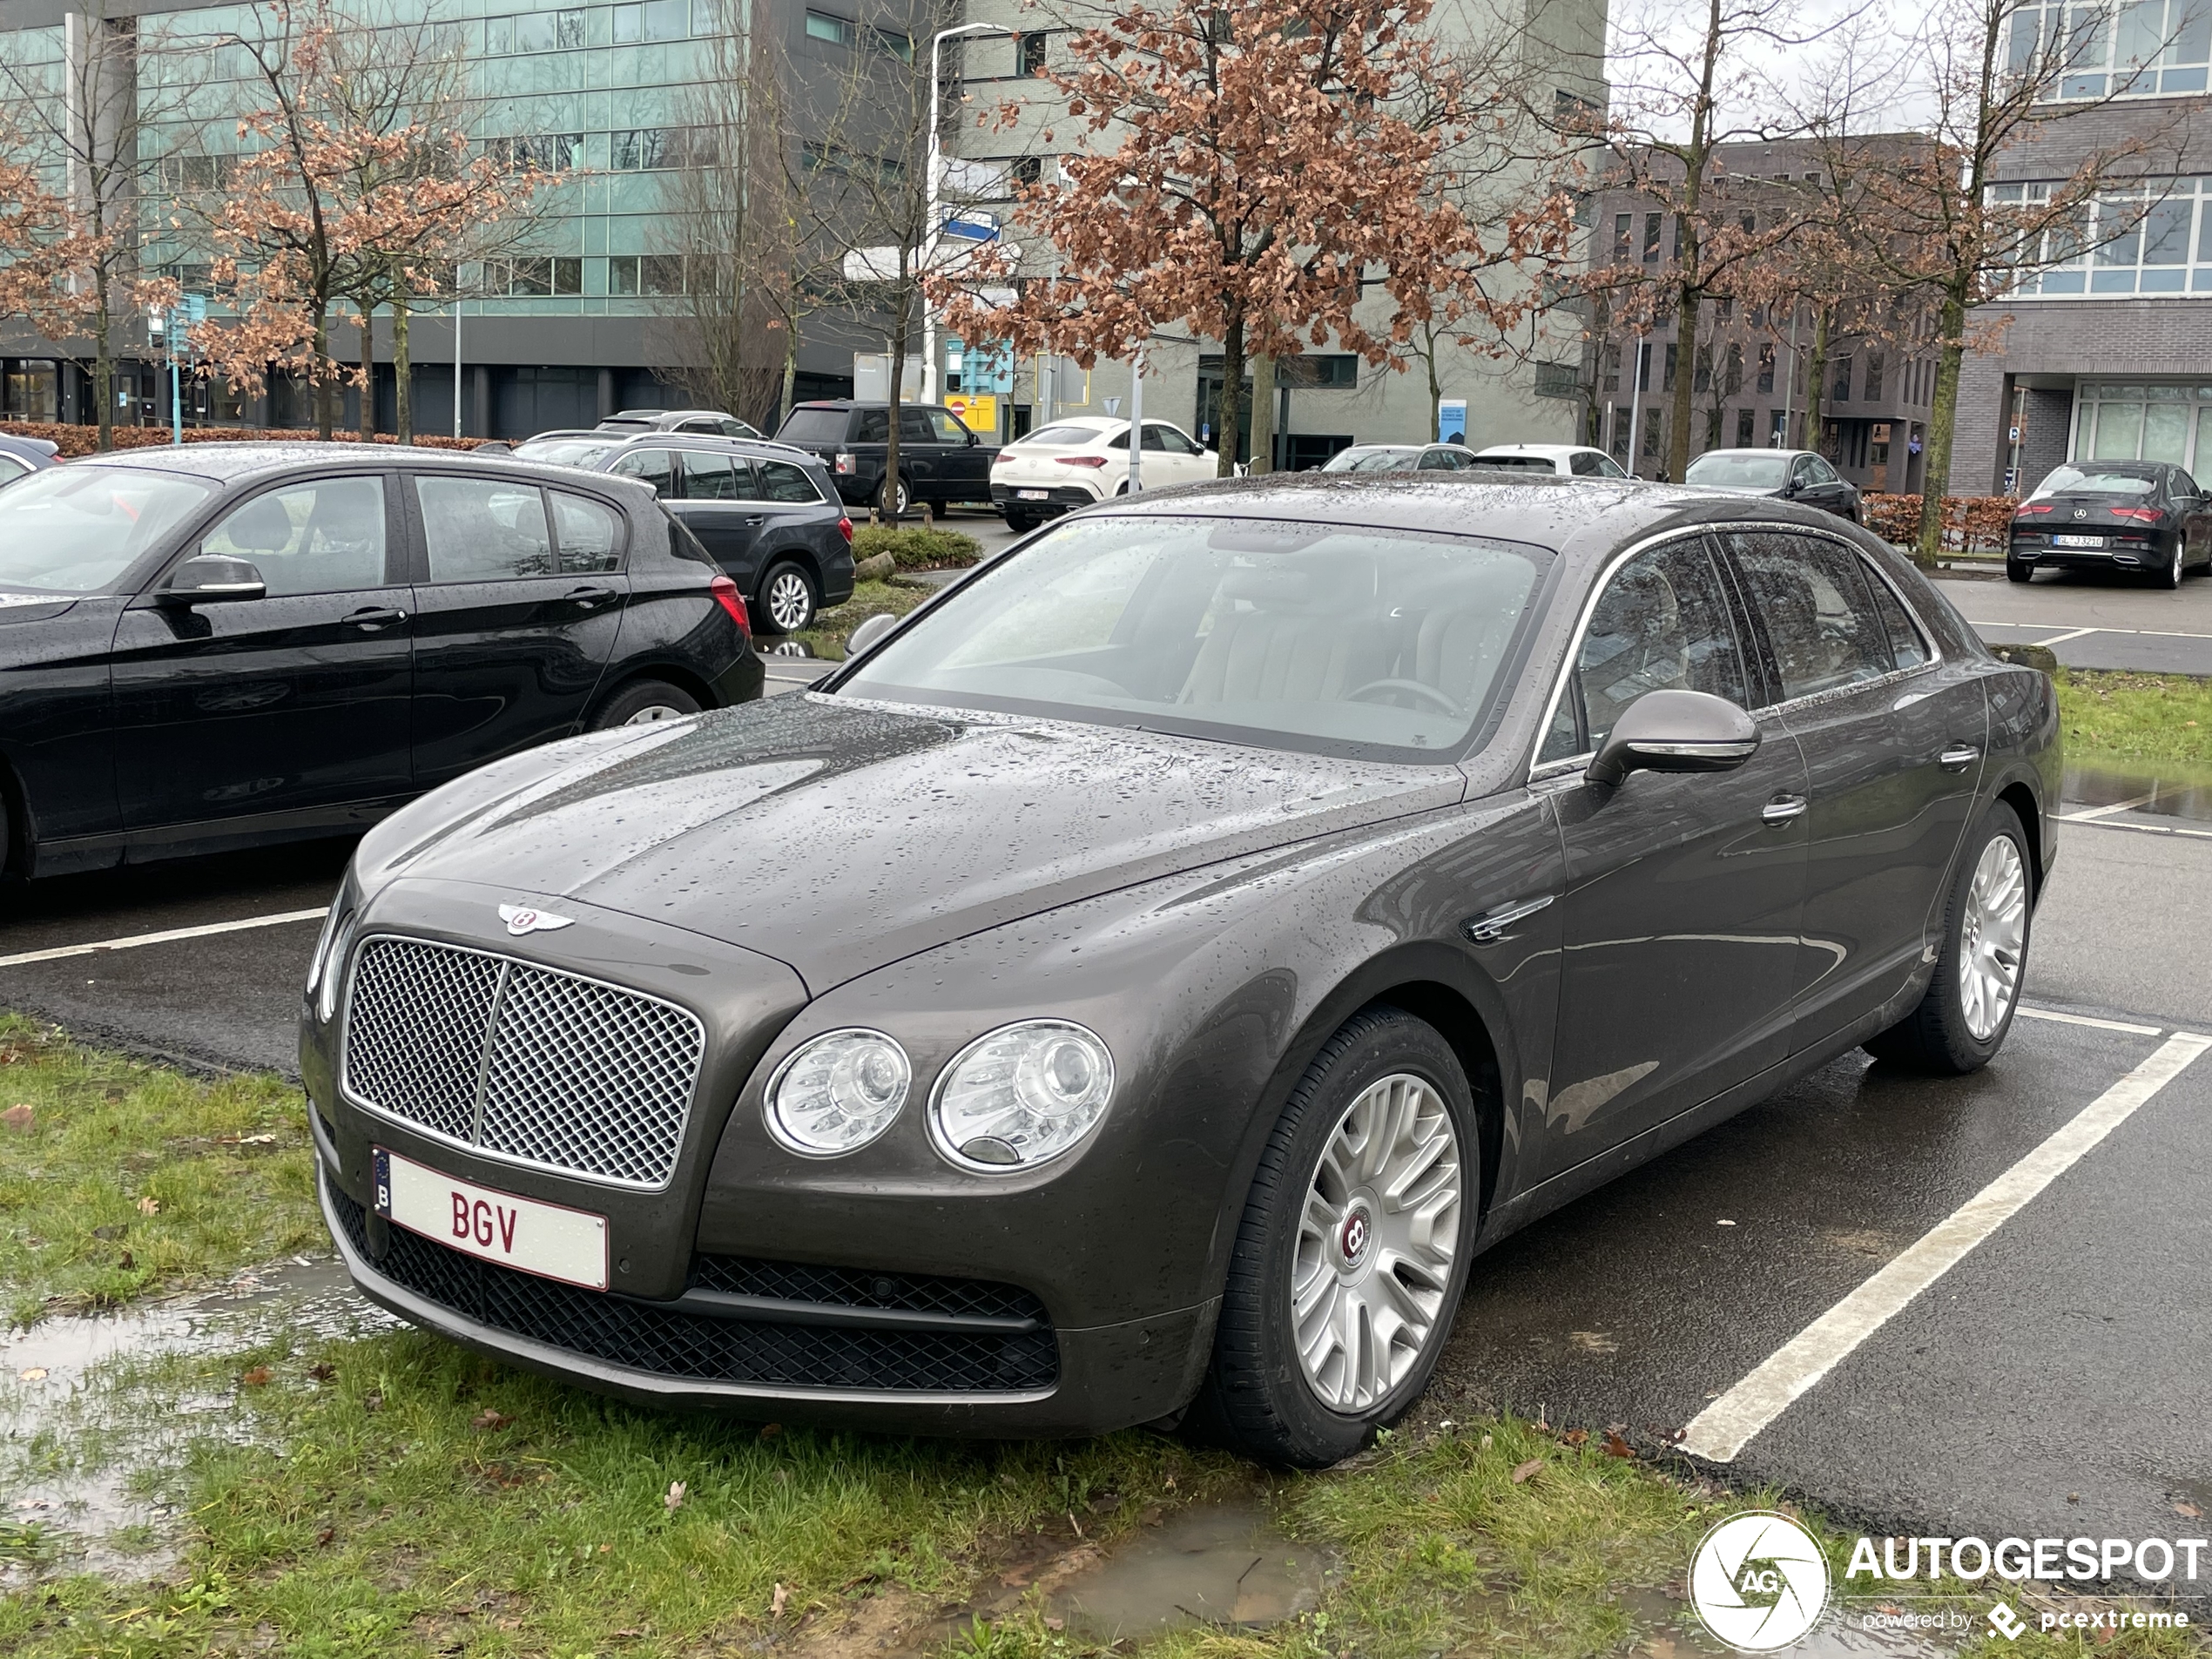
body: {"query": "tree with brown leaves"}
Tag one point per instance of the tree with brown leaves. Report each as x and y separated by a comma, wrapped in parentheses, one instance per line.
(1275, 174)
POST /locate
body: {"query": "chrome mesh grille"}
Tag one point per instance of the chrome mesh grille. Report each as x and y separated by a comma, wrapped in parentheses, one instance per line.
(521, 1062)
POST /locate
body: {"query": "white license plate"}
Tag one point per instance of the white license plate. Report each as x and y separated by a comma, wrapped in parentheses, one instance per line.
(2077, 541)
(1033, 495)
(549, 1240)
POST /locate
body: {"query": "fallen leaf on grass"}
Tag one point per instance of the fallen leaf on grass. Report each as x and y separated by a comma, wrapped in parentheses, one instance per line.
(322, 1371)
(776, 1602)
(490, 1417)
(128, 1262)
(38, 1373)
(19, 1116)
(1616, 1447)
(1575, 1436)
(149, 1205)
(1527, 1469)
(326, 1535)
(768, 1431)
(674, 1499)
(256, 1375)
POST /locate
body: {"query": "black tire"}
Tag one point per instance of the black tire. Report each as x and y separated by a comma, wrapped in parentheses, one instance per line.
(787, 602)
(894, 502)
(1020, 523)
(642, 702)
(2018, 570)
(1256, 1396)
(2171, 576)
(1936, 1035)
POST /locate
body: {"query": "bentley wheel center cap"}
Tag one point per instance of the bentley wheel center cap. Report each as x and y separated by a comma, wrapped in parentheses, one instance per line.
(1353, 1237)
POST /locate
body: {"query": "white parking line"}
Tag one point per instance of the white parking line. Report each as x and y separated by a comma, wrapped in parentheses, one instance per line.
(2027, 1013)
(2139, 829)
(2061, 639)
(1724, 1427)
(133, 941)
(2095, 812)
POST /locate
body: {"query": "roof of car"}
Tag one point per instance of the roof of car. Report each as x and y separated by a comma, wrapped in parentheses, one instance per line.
(1570, 515)
(1751, 449)
(1548, 450)
(226, 463)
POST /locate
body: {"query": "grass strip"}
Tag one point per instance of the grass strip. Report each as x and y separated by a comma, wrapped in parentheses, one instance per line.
(2126, 721)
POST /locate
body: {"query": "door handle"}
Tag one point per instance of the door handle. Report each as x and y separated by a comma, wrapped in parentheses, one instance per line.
(373, 618)
(1959, 757)
(1493, 924)
(1782, 809)
(755, 519)
(591, 598)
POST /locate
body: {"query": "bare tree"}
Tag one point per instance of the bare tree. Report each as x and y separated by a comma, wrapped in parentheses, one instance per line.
(1940, 227)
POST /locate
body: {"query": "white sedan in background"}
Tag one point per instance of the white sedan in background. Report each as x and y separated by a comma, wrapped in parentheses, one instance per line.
(1552, 460)
(1084, 459)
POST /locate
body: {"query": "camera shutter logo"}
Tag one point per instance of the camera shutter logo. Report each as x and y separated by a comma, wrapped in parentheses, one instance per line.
(1759, 1581)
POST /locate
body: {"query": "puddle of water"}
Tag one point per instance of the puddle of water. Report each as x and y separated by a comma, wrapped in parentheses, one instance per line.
(1223, 1564)
(783, 648)
(2182, 795)
(96, 1412)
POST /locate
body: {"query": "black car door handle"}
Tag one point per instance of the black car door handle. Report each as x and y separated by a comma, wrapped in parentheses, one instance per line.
(591, 598)
(1959, 757)
(755, 519)
(373, 618)
(1782, 809)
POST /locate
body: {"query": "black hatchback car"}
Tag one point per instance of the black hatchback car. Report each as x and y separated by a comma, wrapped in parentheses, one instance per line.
(227, 644)
(1271, 894)
(2139, 515)
(767, 514)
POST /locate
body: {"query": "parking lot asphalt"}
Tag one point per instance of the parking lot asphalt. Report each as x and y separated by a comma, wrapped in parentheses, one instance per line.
(2094, 619)
(2049, 1383)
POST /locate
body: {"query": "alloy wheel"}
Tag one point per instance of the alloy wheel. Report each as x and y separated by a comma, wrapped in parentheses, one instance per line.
(1376, 1238)
(654, 713)
(790, 602)
(1993, 938)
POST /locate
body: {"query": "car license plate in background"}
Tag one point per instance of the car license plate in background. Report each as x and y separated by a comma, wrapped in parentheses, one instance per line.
(547, 1239)
(2077, 541)
(1033, 495)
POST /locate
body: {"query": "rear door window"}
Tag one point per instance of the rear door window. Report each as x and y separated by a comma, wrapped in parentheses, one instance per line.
(589, 533)
(1815, 600)
(871, 426)
(483, 529)
(712, 477)
(781, 482)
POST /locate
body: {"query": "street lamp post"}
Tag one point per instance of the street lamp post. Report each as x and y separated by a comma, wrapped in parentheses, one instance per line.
(930, 234)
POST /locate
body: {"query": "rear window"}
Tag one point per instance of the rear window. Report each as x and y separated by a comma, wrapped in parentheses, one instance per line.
(1065, 436)
(1513, 463)
(2097, 481)
(813, 426)
(567, 451)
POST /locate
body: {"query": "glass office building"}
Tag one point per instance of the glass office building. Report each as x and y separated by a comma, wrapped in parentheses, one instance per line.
(570, 326)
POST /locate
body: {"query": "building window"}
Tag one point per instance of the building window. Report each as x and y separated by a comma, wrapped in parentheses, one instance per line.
(1766, 368)
(1843, 380)
(1624, 230)
(1743, 429)
(179, 175)
(1732, 381)
(1027, 170)
(1028, 51)
(1559, 379)
(2144, 422)
(632, 275)
(1612, 360)
(537, 31)
(1725, 307)
(532, 278)
(547, 152)
(1650, 434)
(2137, 50)
(2149, 239)
(843, 32)
(653, 148)
(1666, 372)
(1701, 381)
(1874, 377)
(653, 20)
(1651, 239)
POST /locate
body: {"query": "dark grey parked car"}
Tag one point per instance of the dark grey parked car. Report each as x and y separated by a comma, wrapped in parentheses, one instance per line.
(767, 513)
(1252, 903)
(1792, 475)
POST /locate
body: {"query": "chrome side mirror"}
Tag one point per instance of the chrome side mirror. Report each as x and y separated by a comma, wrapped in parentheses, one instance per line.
(1675, 731)
(867, 633)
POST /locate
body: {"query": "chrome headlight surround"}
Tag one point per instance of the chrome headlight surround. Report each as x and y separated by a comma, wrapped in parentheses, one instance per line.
(326, 968)
(1021, 1096)
(837, 1092)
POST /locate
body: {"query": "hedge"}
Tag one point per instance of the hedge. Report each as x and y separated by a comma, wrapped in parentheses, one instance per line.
(1971, 524)
(916, 547)
(76, 440)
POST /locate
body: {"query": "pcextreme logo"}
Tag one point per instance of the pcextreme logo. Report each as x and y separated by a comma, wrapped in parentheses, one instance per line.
(1759, 1581)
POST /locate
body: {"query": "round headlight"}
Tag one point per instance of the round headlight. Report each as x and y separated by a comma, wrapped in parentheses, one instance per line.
(838, 1092)
(1021, 1094)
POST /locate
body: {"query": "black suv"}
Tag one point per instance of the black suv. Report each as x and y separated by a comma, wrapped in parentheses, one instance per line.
(940, 459)
(234, 644)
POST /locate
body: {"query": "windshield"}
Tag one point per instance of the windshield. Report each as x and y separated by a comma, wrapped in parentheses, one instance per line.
(1740, 470)
(567, 451)
(1370, 460)
(74, 529)
(1514, 463)
(1350, 641)
(2097, 481)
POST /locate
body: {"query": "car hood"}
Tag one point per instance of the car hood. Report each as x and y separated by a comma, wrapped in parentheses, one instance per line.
(838, 835)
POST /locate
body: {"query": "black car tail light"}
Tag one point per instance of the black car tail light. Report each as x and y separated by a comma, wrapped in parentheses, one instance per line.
(2028, 510)
(2142, 515)
(726, 595)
